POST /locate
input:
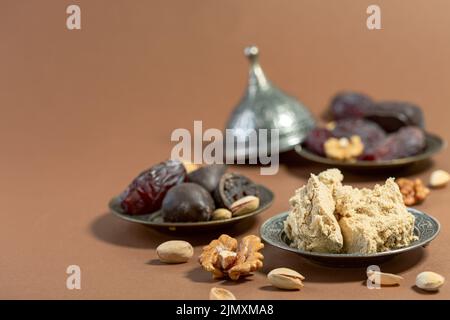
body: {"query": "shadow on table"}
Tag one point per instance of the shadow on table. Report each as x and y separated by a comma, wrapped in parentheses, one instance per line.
(319, 273)
(197, 274)
(420, 291)
(111, 229)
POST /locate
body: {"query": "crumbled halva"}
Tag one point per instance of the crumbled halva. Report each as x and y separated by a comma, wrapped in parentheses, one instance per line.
(311, 225)
(327, 216)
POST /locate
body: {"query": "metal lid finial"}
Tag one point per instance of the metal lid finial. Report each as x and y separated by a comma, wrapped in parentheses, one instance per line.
(251, 52)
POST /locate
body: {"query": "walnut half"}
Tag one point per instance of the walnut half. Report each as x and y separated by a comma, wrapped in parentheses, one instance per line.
(225, 257)
(344, 149)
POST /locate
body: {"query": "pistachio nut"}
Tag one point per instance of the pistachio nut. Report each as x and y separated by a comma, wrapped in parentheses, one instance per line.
(245, 205)
(429, 281)
(284, 278)
(439, 178)
(221, 294)
(175, 251)
(383, 278)
(221, 214)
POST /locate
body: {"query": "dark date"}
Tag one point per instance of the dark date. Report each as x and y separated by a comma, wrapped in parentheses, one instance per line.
(390, 115)
(370, 133)
(315, 140)
(146, 192)
(406, 142)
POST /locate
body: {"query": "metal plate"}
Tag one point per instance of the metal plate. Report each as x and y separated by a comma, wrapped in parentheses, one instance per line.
(433, 145)
(155, 219)
(426, 228)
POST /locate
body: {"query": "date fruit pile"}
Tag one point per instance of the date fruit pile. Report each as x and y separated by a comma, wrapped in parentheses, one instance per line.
(186, 193)
(366, 130)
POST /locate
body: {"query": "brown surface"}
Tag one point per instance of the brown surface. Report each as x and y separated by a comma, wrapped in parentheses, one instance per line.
(82, 112)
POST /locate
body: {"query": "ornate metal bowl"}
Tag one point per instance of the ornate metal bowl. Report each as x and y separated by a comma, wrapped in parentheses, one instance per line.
(426, 228)
(434, 144)
(155, 220)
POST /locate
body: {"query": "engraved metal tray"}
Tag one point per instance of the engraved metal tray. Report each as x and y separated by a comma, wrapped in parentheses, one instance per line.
(426, 228)
(156, 221)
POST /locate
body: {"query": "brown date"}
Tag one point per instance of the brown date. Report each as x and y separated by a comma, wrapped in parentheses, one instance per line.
(146, 192)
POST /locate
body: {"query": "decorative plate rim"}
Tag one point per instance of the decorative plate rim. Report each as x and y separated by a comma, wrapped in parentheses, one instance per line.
(113, 206)
(439, 145)
(416, 244)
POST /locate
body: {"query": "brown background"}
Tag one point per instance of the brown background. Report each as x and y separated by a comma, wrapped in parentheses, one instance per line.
(82, 112)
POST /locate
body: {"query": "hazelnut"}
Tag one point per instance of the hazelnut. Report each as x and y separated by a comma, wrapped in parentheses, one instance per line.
(413, 191)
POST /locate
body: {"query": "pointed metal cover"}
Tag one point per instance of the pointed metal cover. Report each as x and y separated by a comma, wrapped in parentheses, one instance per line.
(264, 106)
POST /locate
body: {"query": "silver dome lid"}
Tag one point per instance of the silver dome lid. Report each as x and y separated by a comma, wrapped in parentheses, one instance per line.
(264, 106)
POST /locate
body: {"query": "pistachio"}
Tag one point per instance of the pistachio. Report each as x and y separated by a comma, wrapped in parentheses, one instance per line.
(439, 178)
(284, 278)
(175, 251)
(245, 205)
(384, 279)
(221, 294)
(429, 281)
(221, 214)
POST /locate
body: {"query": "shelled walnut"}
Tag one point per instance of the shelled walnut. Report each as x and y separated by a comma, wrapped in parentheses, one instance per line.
(413, 191)
(225, 257)
(344, 148)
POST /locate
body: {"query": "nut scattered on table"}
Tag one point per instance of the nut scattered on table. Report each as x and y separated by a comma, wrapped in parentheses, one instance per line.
(225, 257)
(175, 251)
(384, 279)
(413, 191)
(439, 179)
(343, 148)
(429, 281)
(221, 214)
(285, 278)
(244, 205)
(221, 294)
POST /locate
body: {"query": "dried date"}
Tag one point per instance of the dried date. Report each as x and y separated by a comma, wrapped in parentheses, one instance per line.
(406, 142)
(349, 105)
(370, 133)
(146, 192)
(316, 139)
(390, 115)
